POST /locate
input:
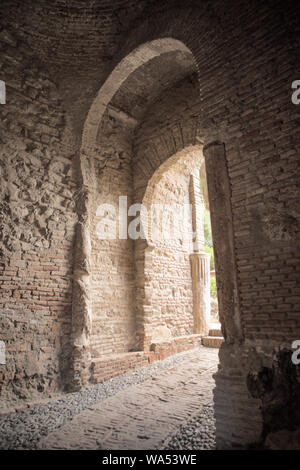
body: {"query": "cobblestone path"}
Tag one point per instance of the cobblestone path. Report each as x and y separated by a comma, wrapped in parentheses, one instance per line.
(143, 416)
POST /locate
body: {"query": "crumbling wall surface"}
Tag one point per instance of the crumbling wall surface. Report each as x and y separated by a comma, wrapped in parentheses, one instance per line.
(277, 384)
(264, 385)
(36, 228)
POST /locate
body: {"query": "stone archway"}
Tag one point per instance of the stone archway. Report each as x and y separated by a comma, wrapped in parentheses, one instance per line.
(91, 149)
(171, 261)
(128, 65)
(82, 295)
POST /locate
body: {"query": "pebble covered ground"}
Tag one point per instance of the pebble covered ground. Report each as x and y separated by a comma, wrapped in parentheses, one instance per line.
(197, 434)
(23, 430)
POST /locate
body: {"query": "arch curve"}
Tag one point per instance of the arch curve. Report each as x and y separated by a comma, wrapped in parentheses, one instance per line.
(127, 65)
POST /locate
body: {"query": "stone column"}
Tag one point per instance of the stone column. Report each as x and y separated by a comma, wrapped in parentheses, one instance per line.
(200, 260)
(198, 207)
(219, 192)
(231, 392)
(200, 266)
(81, 303)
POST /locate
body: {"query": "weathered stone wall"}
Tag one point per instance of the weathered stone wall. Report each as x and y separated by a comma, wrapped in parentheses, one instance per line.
(36, 228)
(167, 271)
(112, 283)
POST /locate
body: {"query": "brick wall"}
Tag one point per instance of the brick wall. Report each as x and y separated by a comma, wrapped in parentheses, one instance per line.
(104, 368)
(165, 299)
(36, 228)
(113, 329)
(135, 290)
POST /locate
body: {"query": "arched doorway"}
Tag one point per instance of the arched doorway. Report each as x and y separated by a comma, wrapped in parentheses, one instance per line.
(105, 168)
(173, 272)
(178, 136)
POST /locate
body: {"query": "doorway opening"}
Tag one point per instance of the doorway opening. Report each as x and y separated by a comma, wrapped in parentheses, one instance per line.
(176, 300)
(143, 300)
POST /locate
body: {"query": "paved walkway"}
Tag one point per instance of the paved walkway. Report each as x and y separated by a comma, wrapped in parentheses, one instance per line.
(143, 416)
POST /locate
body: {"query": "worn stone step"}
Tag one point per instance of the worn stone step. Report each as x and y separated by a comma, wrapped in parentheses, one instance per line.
(212, 341)
(215, 332)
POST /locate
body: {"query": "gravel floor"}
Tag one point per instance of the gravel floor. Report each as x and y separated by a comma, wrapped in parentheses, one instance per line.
(197, 434)
(22, 430)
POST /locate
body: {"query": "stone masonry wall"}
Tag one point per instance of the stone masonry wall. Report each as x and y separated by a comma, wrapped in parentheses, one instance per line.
(168, 283)
(113, 320)
(36, 229)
